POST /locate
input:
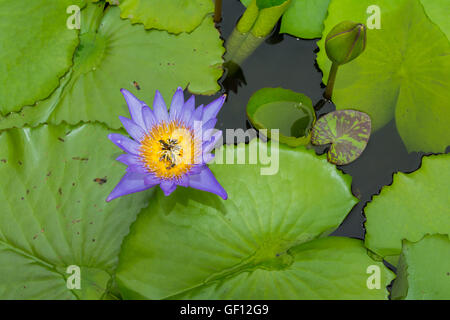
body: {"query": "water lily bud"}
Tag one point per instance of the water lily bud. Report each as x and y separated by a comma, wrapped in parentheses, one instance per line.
(346, 42)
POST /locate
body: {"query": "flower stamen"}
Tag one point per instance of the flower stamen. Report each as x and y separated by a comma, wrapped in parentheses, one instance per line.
(171, 153)
(169, 150)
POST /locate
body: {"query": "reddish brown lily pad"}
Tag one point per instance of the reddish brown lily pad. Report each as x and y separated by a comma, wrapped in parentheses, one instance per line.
(348, 131)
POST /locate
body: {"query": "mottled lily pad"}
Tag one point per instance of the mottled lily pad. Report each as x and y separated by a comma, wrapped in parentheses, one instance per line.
(113, 54)
(290, 112)
(424, 270)
(36, 49)
(402, 75)
(348, 131)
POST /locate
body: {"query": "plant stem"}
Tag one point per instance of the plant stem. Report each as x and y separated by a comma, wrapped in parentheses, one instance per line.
(218, 11)
(248, 19)
(241, 45)
(331, 80)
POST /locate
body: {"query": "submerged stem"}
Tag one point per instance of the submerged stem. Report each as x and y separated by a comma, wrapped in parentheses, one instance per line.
(218, 11)
(331, 80)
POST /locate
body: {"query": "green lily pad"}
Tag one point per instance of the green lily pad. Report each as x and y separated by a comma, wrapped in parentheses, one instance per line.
(255, 245)
(55, 180)
(403, 74)
(303, 18)
(437, 11)
(348, 131)
(112, 55)
(415, 205)
(303, 273)
(290, 112)
(424, 270)
(175, 16)
(36, 50)
(264, 4)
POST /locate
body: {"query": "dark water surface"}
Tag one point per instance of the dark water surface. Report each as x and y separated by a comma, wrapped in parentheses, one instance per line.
(288, 62)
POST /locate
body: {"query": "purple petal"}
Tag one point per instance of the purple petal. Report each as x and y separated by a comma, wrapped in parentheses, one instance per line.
(136, 132)
(206, 181)
(212, 109)
(149, 118)
(126, 144)
(196, 169)
(208, 146)
(188, 110)
(208, 127)
(129, 159)
(151, 179)
(168, 187)
(211, 134)
(130, 183)
(208, 157)
(198, 113)
(137, 168)
(176, 106)
(159, 108)
(135, 106)
(183, 181)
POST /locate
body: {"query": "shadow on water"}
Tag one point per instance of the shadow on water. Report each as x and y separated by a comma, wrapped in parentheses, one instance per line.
(280, 61)
(384, 155)
(288, 62)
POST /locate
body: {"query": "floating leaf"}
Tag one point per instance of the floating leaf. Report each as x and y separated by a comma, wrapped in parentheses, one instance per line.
(264, 4)
(310, 271)
(437, 11)
(114, 54)
(54, 184)
(403, 73)
(255, 245)
(415, 205)
(303, 18)
(290, 112)
(36, 50)
(174, 16)
(424, 270)
(261, 17)
(348, 131)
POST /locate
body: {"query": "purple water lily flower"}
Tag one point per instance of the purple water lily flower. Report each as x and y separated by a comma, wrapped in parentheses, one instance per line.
(168, 149)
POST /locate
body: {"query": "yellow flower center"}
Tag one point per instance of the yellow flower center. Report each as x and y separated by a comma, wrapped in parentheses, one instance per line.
(169, 150)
